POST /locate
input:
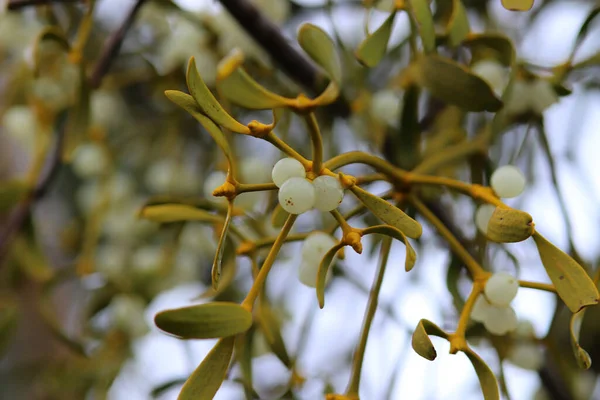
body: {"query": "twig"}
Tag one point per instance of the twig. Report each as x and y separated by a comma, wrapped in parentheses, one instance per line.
(269, 37)
(18, 4)
(17, 217)
(113, 45)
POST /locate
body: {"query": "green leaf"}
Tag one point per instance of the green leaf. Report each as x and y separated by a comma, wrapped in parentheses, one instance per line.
(228, 273)
(454, 84)
(584, 360)
(517, 5)
(166, 213)
(373, 48)
(458, 26)
(208, 104)
(422, 14)
(323, 270)
(11, 192)
(411, 255)
(279, 216)
(53, 33)
(241, 89)
(484, 43)
(205, 321)
(421, 342)
(216, 270)
(206, 380)
(78, 122)
(243, 356)
(31, 260)
(9, 318)
(271, 328)
(487, 380)
(187, 102)
(572, 283)
(319, 46)
(389, 213)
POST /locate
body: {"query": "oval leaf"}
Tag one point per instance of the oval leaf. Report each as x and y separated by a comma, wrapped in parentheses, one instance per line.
(322, 273)
(454, 84)
(411, 255)
(487, 380)
(206, 380)
(421, 342)
(166, 213)
(388, 213)
(11, 192)
(228, 273)
(205, 321)
(584, 360)
(458, 27)
(373, 48)
(218, 260)
(517, 5)
(501, 46)
(319, 46)
(422, 14)
(572, 283)
(241, 89)
(271, 328)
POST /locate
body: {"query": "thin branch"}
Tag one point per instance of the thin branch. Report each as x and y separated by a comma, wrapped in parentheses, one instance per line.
(112, 46)
(18, 216)
(18, 4)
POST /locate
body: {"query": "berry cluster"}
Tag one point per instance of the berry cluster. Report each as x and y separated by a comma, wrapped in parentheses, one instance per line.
(314, 248)
(297, 194)
(493, 308)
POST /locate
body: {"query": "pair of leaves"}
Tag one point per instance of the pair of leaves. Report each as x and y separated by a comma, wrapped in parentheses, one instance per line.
(205, 321)
(572, 283)
(421, 343)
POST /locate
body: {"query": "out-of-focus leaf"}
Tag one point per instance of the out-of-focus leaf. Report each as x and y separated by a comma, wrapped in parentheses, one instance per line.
(52, 33)
(216, 270)
(322, 273)
(11, 192)
(572, 283)
(271, 328)
(9, 317)
(583, 31)
(487, 380)
(78, 116)
(411, 255)
(454, 84)
(422, 14)
(208, 104)
(31, 260)
(373, 48)
(279, 216)
(159, 390)
(501, 46)
(228, 272)
(166, 213)
(206, 380)
(405, 145)
(243, 356)
(584, 360)
(187, 102)
(319, 46)
(421, 342)
(452, 278)
(388, 213)
(517, 5)
(240, 88)
(205, 321)
(458, 26)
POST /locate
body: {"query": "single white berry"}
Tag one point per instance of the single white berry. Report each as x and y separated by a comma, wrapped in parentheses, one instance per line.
(285, 169)
(161, 176)
(89, 160)
(329, 192)
(480, 309)
(20, 123)
(543, 95)
(128, 314)
(213, 181)
(525, 329)
(111, 260)
(146, 260)
(501, 288)
(483, 216)
(316, 245)
(493, 73)
(297, 195)
(508, 181)
(385, 107)
(307, 274)
(526, 355)
(500, 320)
(519, 99)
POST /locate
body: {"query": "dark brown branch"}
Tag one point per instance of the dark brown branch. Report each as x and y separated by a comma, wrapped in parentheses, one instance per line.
(269, 37)
(112, 46)
(19, 214)
(18, 4)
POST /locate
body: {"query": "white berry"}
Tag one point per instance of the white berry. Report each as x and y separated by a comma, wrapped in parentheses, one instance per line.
(329, 192)
(543, 95)
(285, 169)
(501, 288)
(385, 107)
(527, 356)
(146, 260)
(500, 320)
(508, 181)
(525, 329)
(128, 314)
(483, 216)
(316, 245)
(89, 160)
(297, 195)
(493, 73)
(480, 309)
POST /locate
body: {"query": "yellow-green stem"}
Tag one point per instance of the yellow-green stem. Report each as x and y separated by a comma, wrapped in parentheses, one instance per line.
(468, 307)
(477, 272)
(359, 353)
(537, 285)
(317, 142)
(285, 148)
(254, 187)
(451, 155)
(341, 221)
(259, 282)
(361, 157)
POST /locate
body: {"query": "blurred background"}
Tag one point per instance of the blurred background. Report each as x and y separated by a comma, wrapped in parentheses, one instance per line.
(82, 277)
